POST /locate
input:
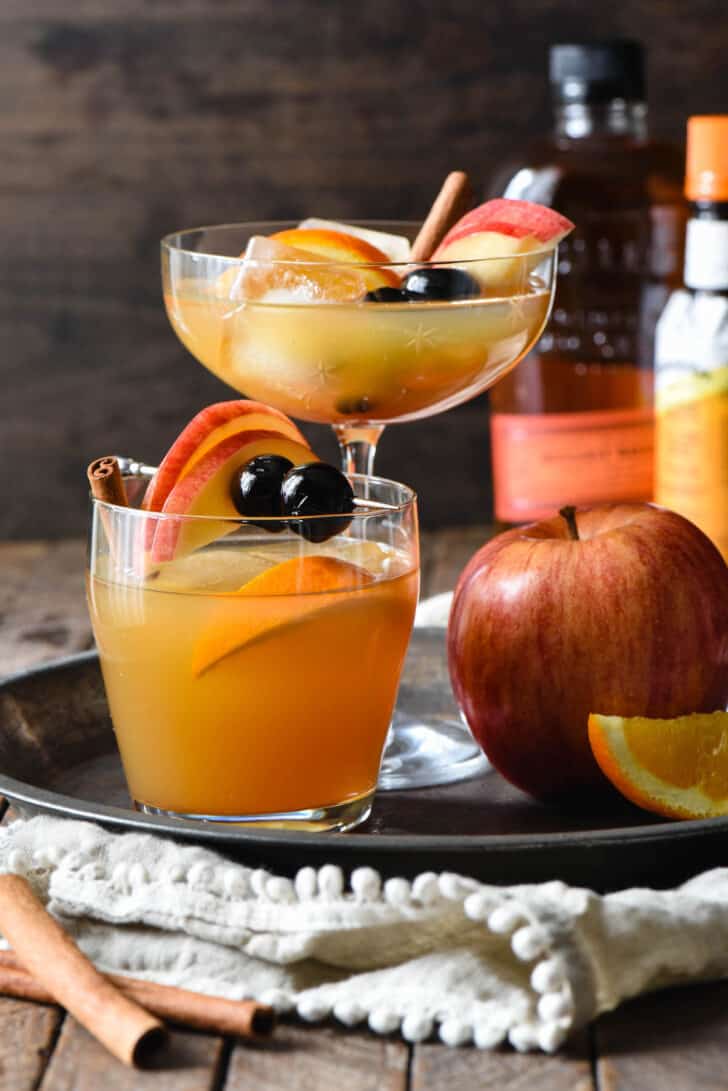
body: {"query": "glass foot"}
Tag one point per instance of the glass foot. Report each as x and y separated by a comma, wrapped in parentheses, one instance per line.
(438, 751)
(428, 743)
(340, 816)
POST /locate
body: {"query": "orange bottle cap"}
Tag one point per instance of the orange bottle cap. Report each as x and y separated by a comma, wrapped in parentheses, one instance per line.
(706, 177)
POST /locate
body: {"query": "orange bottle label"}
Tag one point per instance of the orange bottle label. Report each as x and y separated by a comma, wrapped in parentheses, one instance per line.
(692, 462)
(542, 461)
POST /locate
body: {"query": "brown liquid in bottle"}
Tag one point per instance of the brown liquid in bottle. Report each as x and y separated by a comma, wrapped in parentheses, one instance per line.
(573, 422)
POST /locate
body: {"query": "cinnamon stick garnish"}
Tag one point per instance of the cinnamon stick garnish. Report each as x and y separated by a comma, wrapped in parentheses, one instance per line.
(243, 1018)
(107, 484)
(454, 199)
(50, 956)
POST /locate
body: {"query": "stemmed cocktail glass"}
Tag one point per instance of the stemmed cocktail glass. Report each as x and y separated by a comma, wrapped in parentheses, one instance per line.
(322, 342)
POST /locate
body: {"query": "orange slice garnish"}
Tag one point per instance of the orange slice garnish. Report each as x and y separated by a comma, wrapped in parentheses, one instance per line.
(286, 594)
(335, 245)
(307, 576)
(338, 246)
(677, 768)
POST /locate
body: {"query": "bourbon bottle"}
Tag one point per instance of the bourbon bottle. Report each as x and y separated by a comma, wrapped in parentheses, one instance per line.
(574, 422)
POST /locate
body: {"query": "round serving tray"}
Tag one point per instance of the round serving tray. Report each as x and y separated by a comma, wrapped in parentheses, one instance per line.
(58, 756)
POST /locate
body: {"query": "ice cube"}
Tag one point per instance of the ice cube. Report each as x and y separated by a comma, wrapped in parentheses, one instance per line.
(304, 291)
(214, 571)
(396, 247)
(274, 272)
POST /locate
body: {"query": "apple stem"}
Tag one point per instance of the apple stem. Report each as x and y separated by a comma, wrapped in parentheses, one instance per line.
(569, 514)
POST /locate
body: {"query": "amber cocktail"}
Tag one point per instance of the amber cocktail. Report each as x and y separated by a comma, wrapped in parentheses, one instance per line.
(254, 679)
(301, 337)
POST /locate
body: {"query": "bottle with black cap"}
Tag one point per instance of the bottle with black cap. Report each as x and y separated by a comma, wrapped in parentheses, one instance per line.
(574, 422)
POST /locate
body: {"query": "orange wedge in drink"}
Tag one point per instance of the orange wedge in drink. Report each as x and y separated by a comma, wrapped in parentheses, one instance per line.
(288, 593)
(338, 246)
(677, 768)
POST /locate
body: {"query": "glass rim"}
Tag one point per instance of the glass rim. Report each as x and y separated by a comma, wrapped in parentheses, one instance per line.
(410, 499)
(168, 244)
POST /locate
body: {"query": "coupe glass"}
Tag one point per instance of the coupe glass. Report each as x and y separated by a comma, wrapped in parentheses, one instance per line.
(301, 337)
(251, 676)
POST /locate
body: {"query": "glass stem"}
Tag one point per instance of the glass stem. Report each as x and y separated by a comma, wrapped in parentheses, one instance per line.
(358, 446)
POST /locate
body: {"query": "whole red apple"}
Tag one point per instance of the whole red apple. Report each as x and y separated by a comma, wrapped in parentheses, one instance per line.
(620, 609)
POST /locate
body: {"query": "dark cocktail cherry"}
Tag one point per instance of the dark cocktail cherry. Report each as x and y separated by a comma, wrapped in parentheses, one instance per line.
(256, 488)
(428, 283)
(386, 294)
(440, 282)
(316, 489)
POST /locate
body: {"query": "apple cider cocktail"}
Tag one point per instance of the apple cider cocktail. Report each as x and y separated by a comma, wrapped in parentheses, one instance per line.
(251, 665)
(389, 361)
(336, 323)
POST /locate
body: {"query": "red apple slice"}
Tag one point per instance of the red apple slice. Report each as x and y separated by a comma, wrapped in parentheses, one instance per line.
(536, 225)
(208, 428)
(503, 228)
(206, 491)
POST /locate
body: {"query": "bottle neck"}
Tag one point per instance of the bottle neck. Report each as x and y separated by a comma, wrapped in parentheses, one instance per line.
(615, 117)
(709, 210)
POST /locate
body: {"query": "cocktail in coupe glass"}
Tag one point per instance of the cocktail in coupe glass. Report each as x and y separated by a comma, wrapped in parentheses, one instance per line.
(253, 679)
(333, 341)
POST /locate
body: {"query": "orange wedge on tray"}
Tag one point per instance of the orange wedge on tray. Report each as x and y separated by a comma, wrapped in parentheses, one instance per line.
(677, 768)
(285, 594)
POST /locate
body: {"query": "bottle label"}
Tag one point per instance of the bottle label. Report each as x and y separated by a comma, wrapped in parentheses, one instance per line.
(692, 457)
(706, 254)
(691, 402)
(542, 461)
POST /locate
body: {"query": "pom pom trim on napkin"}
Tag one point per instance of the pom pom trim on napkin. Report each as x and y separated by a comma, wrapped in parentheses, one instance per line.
(441, 954)
(85, 873)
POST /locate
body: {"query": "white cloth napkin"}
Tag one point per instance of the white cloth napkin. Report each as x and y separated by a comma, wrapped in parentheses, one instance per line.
(434, 611)
(440, 954)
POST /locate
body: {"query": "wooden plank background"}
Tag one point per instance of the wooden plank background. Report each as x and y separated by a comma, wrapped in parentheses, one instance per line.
(121, 120)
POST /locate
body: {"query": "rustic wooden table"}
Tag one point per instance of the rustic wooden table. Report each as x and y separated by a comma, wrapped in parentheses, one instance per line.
(676, 1040)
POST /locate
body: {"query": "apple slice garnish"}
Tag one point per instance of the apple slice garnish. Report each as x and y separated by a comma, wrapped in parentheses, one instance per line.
(211, 425)
(274, 599)
(502, 228)
(532, 226)
(206, 490)
(396, 247)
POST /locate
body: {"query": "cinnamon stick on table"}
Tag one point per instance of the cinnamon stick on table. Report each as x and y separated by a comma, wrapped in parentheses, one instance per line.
(53, 959)
(243, 1018)
(454, 199)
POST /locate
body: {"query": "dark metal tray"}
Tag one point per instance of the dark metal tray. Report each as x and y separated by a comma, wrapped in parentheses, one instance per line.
(57, 755)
